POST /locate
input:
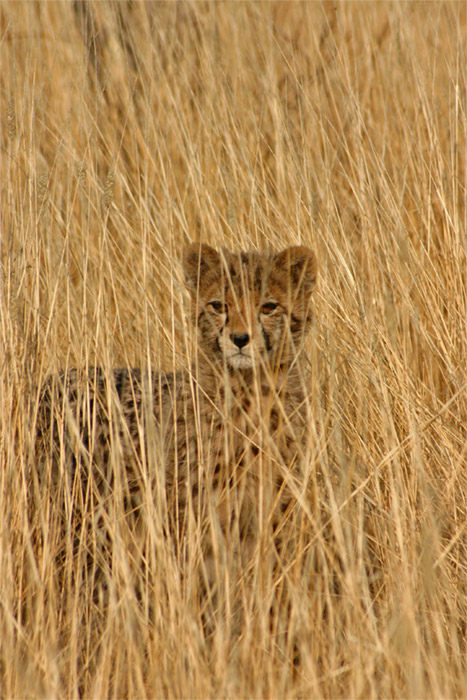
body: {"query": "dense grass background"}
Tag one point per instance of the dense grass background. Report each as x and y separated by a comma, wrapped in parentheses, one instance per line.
(130, 129)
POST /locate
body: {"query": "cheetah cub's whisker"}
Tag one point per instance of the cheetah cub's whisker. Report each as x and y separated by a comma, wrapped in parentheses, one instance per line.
(229, 434)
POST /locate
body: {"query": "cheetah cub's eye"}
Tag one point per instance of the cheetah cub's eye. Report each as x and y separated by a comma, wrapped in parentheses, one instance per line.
(268, 308)
(218, 307)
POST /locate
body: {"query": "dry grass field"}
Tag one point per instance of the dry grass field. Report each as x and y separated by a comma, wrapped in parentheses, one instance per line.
(128, 130)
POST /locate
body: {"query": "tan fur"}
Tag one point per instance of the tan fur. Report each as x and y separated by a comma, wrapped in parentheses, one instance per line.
(232, 431)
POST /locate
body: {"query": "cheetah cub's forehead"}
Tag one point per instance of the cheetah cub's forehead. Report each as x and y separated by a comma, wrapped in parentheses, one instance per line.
(290, 272)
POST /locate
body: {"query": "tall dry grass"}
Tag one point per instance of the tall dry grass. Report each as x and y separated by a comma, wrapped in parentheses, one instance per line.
(130, 129)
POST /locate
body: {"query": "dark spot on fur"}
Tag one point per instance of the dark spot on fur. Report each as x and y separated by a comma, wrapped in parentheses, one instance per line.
(258, 278)
(119, 382)
(254, 450)
(274, 420)
(295, 324)
(284, 505)
(289, 441)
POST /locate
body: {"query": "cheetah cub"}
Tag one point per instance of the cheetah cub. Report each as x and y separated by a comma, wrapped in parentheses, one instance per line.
(224, 441)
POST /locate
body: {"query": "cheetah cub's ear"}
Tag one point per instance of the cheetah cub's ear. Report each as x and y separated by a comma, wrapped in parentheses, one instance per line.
(295, 269)
(201, 265)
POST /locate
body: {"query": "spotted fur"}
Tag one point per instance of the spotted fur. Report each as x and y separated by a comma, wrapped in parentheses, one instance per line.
(228, 436)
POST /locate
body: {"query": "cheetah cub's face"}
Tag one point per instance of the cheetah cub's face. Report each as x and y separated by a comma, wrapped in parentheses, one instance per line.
(250, 308)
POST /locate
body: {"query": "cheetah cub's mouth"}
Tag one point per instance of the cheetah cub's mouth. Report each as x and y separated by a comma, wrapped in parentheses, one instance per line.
(238, 357)
(241, 361)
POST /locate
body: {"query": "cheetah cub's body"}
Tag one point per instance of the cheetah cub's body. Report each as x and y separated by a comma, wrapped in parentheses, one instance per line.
(231, 431)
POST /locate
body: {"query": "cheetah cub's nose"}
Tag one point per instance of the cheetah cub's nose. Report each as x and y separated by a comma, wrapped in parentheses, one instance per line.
(240, 339)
